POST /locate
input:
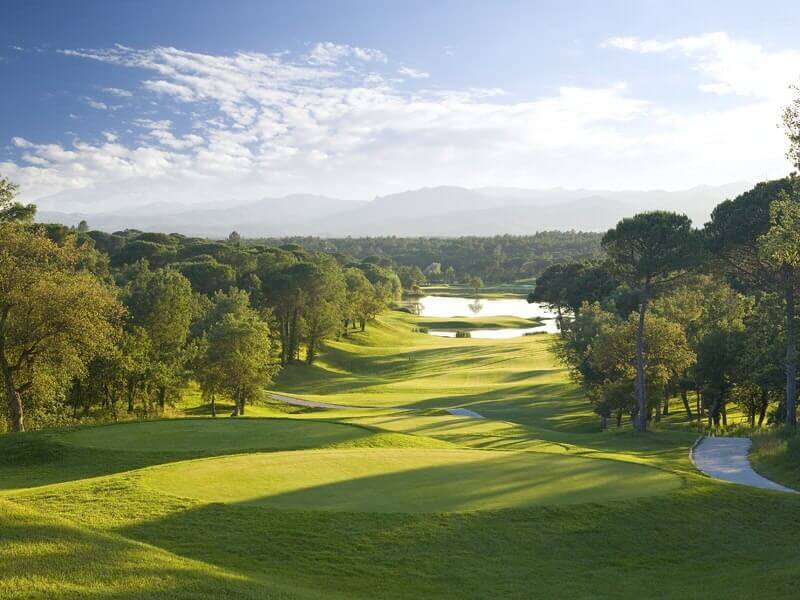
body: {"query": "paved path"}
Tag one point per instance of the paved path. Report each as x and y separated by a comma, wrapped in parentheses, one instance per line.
(458, 412)
(725, 458)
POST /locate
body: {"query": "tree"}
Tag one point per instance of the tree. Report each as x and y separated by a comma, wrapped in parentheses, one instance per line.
(433, 272)
(757, 257)
(649, 251)
(791, 126)
(234, 238)
(161, 302)
(703, 305)
(11, 210)
(566, 287)
(237, 359)
(360, 298)
(475, 283)
(614, 356)
(780, 247)
(230, 329)
(54, 317)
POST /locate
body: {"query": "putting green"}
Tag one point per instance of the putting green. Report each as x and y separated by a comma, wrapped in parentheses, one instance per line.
(193, 435)
(407, 480)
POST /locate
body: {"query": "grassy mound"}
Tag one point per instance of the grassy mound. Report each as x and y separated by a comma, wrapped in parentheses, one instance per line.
(209, 435)
(407, 480)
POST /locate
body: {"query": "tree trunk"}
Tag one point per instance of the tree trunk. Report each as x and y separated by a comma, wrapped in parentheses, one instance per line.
(213, 405)
(131, 393)
(235, 412)
(13, 400)
(791, 361)
(665, 410)
(685, 399)
(619, 419)
(762, 410)
(162, 398)
(603, 422)
(641, 395)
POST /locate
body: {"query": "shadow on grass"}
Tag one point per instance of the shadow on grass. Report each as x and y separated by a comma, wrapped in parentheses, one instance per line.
(45, 557)
(34, 459)
(506, 553)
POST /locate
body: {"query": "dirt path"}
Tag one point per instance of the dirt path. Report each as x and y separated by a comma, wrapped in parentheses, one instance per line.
(725, 458)
(458, 412)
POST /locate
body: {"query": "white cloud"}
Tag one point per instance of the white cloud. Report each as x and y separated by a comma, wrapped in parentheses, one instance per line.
(729, 66)
(96, 104)
(328, 53)
(413, 73)
(118, 92)
(248, 125)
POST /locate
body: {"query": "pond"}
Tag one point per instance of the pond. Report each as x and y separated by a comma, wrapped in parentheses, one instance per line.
(450, 307)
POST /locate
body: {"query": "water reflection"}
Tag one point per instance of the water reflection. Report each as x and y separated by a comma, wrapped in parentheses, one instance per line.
(449, 307)
(476, 306)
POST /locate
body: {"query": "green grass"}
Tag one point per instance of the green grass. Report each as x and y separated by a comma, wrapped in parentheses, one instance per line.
(212, 435)
(407, 480)
(45, 557)
(304, 506)
(776, 455)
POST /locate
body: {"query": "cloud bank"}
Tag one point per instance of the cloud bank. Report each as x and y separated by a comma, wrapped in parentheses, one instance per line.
(346, 121)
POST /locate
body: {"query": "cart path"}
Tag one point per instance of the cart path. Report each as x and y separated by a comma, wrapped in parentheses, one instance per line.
(458, 412)
(725, 458)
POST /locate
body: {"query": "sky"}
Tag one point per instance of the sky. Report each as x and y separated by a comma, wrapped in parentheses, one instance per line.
(113, 105)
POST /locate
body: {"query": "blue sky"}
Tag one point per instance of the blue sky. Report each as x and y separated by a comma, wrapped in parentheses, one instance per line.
(111, 104)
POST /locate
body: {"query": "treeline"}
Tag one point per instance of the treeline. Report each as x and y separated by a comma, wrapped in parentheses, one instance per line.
(675, 312)
(95, 323)
(498, 259)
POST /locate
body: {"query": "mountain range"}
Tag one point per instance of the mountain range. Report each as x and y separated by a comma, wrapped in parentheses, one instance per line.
(437, 211)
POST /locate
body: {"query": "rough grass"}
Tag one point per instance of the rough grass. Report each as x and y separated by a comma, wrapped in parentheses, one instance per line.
(776, 455)
(78, 521)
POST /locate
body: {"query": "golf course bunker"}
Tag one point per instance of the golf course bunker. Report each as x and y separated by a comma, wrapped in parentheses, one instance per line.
(209, 435)
(406, 480)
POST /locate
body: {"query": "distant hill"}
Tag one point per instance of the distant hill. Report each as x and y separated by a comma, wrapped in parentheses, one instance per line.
(444, 211)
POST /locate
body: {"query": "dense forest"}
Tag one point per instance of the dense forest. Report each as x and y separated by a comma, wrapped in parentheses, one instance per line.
(93, 323)
(98, 325)
(675, 312)
(497, 259)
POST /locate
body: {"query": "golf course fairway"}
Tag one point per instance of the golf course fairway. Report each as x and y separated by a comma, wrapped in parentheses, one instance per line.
(290, 502)
(407, 480)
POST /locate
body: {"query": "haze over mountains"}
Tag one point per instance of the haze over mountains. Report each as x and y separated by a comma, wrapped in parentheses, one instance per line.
(439, 211)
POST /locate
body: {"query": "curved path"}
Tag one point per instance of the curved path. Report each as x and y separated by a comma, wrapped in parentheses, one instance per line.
(458, 412)
(725, 458)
